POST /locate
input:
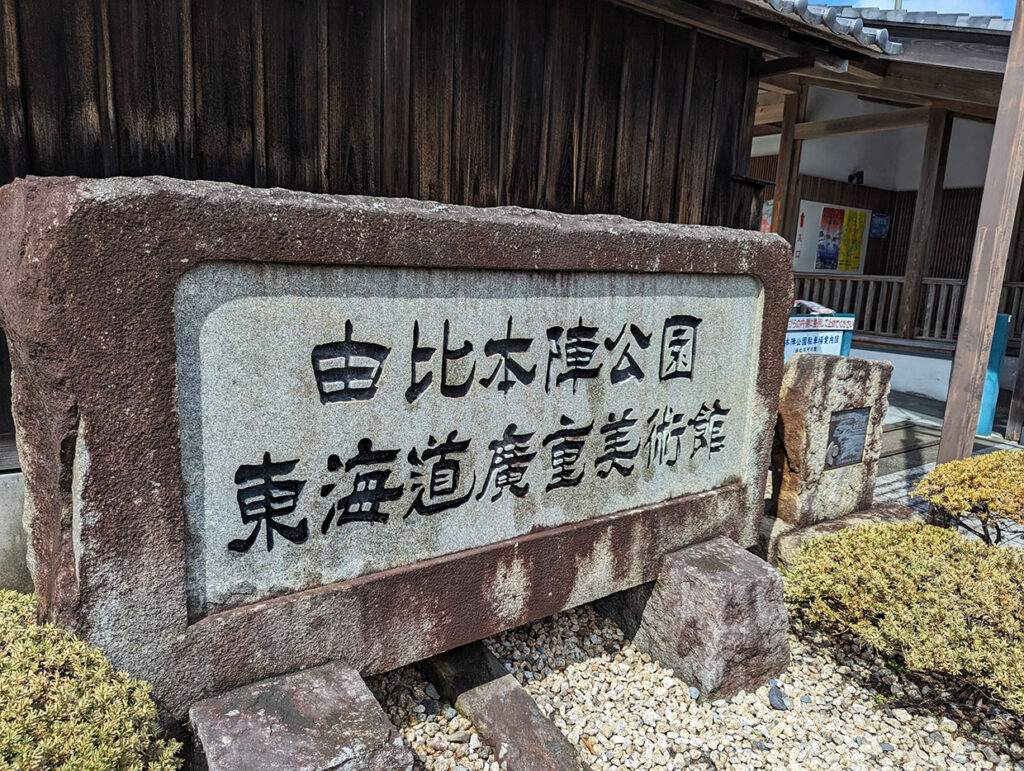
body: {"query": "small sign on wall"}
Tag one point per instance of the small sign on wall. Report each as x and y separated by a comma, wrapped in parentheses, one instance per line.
(830, 238)
(880, 224)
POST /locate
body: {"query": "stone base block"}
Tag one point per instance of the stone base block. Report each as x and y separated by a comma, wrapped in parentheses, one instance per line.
(502, 711)
(715, 615)
(13, 568)
(784, 541)
(319, 719)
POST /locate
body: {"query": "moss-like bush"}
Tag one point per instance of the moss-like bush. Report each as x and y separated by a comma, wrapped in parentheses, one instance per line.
(945, 603)
(62, 705)
(982, 494)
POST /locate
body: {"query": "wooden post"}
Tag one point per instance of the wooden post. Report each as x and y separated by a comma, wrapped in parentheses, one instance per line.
(1015, 422)
(787, 175)
(924, 227)
(988, 263)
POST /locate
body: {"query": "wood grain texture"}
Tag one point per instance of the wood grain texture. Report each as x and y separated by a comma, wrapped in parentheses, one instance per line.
(355, 72)
(565, 63)
(571, 105)
(145, 45)
(926, 210)
(222, 57)
(292, 93)
(988, 266)
(481, 51)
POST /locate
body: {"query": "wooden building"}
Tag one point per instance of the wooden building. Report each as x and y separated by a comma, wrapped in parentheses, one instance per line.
(910, 293)
(643, 108)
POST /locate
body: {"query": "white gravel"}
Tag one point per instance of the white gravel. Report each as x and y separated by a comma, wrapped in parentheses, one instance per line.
(624, 711)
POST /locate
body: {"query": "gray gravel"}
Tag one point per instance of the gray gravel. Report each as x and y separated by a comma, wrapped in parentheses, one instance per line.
(624, 711)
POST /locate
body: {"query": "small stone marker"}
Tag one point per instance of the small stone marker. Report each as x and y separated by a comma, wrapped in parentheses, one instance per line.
(829, 438)
(264, 430)
(715, 616)
(317, 720)
(484, 692)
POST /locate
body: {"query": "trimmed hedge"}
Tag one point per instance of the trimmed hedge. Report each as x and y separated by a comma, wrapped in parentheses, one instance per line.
(945, 603)
(982, 494)
(62, 705)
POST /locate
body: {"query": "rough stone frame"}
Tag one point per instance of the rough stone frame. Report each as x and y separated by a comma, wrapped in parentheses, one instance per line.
(88, 272)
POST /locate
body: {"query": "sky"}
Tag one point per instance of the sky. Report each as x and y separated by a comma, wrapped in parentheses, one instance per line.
(1002, 8)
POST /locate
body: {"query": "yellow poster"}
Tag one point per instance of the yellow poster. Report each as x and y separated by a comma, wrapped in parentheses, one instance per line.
(854, 226)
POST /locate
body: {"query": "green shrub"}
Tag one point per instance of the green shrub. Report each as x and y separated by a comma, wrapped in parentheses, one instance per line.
(62, 705)
(945, 603)
(983, 494)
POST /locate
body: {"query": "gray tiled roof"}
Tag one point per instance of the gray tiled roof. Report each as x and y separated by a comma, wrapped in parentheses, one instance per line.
(829, 18)
(866, 26)
(932, 18)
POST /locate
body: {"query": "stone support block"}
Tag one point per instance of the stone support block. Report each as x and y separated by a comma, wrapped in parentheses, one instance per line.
(715, 616)
(14, 572)
(785, 543)
(318, 719)
(506, 716)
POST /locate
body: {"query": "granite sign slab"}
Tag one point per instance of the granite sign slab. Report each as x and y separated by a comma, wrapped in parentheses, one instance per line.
(265, 430)
(320, 443)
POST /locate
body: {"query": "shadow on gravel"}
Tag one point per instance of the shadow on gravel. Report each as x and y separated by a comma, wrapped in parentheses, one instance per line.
(978, 717)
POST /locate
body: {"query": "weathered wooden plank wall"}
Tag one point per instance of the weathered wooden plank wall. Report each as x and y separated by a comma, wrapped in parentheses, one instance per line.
(569, 105)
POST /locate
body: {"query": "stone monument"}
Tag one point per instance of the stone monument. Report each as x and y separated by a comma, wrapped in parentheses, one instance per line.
(829, 436)
(827, 447)
(263, 430)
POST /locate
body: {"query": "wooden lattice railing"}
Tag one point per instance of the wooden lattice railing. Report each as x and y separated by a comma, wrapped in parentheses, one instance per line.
(875, 300)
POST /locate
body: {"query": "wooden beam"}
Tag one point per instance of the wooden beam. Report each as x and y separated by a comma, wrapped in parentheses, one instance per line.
(863, 124)
(769, 85)
(770, 108)
(787, 175)
(916, 80)
(720, 25)
(783, 65)
(790, 83)
(768, 130)
(925, 225)
(988, 261)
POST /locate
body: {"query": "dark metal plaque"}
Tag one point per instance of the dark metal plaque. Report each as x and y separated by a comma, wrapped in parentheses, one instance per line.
(846, 433)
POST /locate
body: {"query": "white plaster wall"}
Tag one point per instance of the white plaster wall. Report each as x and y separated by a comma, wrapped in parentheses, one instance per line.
(927, 375)
(13, 571)
(911, 373)
(889, 159)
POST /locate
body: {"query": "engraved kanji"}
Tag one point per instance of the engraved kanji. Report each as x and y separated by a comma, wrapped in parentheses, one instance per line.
(709, 428)
(348, 370)
(566, 448)
(510, 458)
(618, 455)
(369, 488)
(576, 353)
(264, 497)
(664, 439)
(678, 347)
(512, 371)
(626, 366)
(436, 476)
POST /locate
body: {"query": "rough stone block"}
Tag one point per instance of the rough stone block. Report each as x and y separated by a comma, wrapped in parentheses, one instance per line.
(13, 568)
(768, 537)
(788, 541)
(829, 436)
(715, 616)
(318, 719)
(506, 716)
